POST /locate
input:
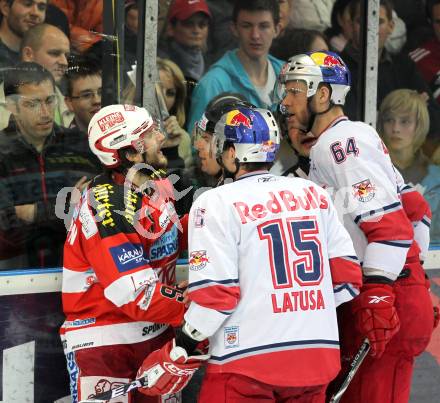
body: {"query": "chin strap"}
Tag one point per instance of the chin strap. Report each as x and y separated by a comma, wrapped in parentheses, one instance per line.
(227, 174)
(313, 114)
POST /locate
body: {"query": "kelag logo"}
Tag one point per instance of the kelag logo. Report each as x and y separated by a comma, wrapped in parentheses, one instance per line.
(128, 256)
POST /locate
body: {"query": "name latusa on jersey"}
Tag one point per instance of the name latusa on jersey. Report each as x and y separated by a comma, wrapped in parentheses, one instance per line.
(304, 300)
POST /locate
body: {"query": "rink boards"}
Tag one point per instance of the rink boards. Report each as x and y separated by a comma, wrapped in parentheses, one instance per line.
(33, 365)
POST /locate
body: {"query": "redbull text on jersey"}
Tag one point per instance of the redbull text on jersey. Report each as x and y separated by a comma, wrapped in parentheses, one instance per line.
(281, 201)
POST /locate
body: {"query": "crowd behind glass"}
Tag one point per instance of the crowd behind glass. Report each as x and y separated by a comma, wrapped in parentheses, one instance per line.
(51, 69)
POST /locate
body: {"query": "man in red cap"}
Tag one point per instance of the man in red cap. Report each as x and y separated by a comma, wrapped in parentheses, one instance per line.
(187, 32)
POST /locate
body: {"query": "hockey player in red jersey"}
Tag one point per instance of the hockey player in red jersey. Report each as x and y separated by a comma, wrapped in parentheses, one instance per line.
(394, 309)
(269, 262)
(118, 287)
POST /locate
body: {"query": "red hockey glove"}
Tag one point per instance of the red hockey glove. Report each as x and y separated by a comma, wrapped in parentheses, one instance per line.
(376, 316)
(168, 369)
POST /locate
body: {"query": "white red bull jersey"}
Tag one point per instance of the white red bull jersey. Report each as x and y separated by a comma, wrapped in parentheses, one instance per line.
(269, 262)
(419, 213)
(351, 160)
(119, 263)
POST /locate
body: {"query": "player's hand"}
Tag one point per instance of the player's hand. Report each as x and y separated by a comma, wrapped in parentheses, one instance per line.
(174, 132)
(183, 286)
(168, 369)
(376, 316)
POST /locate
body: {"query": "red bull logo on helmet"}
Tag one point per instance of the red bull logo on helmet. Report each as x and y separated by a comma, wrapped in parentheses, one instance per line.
(324, 59)
(237, 118)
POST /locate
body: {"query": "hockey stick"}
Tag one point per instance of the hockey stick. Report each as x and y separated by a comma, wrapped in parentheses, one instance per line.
(354, 366)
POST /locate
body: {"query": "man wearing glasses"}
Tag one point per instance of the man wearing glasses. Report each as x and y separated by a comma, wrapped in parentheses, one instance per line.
(84, 86)
(37, 159)
(48, 46)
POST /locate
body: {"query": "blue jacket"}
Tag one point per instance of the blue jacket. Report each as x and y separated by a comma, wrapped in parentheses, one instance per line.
(431, 186)
(227, 74)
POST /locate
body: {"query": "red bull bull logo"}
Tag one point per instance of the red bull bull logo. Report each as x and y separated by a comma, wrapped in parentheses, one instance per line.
(198, 260)
(323, 59)
(364, 191)
(268, 147)
(237, 118)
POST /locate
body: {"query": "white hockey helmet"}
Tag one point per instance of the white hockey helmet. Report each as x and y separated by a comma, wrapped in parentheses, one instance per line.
(253, 132)
(315, 68)
(117, 127)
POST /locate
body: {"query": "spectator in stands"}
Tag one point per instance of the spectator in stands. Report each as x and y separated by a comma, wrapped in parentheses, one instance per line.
(427, 56)
(177, 146)
(48, 46)
(248, 70)
(220, 38)
(85, 19)
(311, 14)
(17, 16)
(187, 33)
(403, 123)
(415, 16)
(130, 33)
(54, 16)
(285, 8)
(296, 41)
(37, 159)
(84, 87)
(341, 29)
(394, 71)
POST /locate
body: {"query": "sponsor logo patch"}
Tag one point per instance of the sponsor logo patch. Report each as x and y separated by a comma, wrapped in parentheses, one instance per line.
(364, 191)
(73, 376)
(167, 214)
(166, 245)
(88, 225)
(128, 256)
(110, 120)
(199, 217)
(237, 118)
(129, 108)
(198, 260)
(231, 336)
(80, 322)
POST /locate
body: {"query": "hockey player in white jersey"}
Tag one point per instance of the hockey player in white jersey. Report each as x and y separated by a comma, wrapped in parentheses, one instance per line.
(269, 262)
(352, 162)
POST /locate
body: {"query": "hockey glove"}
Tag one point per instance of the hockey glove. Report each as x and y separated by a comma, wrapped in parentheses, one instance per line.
(376, 316)
(168, 369)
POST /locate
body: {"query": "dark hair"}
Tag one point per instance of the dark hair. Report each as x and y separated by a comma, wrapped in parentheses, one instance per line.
(257, 5)
(338, 9)
(25, 73)
(429, 6)
(294, 42)
(80, 68)
(388, 4)
(222, 103)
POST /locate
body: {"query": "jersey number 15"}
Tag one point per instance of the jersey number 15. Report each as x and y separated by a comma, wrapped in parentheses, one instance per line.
(307, 267)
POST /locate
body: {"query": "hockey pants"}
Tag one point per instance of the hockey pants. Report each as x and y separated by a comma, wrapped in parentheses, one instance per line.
(235, 388)
(388, 379)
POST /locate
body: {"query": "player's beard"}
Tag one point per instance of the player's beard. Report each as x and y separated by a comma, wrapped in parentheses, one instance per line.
(156, 160)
